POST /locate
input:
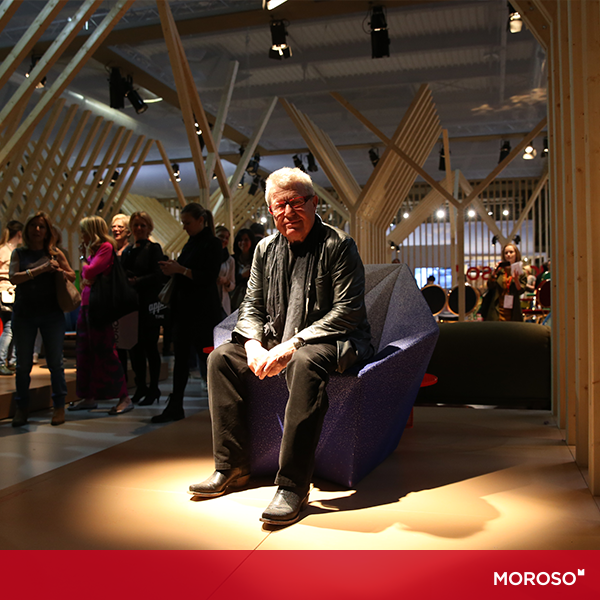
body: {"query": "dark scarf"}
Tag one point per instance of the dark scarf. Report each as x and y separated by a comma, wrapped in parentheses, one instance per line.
(291, 267)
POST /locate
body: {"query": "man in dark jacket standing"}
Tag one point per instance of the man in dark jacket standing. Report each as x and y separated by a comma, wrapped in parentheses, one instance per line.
(304, 312)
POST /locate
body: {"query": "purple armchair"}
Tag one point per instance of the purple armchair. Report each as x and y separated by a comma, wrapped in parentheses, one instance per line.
(369, 404)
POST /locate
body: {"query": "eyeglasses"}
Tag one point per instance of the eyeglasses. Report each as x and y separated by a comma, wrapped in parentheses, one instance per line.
(296, 203)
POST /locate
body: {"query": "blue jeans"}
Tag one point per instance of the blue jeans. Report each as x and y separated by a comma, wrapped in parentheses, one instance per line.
(6, 337)
(52, 328)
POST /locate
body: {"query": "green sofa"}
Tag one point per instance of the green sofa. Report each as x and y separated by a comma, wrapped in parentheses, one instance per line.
(491, 363)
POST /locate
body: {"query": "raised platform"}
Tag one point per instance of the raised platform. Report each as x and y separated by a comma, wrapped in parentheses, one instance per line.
(40, 391)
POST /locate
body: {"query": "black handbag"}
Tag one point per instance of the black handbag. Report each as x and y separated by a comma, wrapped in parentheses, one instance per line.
(111, 296)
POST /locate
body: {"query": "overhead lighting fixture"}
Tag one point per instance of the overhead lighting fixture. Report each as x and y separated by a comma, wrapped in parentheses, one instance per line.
(263, 220)
(271, 4)
(312, 165)
(504, 151)
(279, 46)
(120, 87)
(505, 212)
(471, 213)
(515, 22)
(254, 186)
(490, 213)
(42, 82)
(440, 214)
(494, 240)
(530, 153)
(176, 171)
(374, 156)
(517, 240)
(298, 163)
(380, 39)
(405, 215)
(114, 178)
(253, 165)
(545, 151)
(442, 163)
(241, 183)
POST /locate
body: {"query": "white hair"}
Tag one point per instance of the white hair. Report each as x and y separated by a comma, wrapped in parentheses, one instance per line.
(287, 178)
(121, 219)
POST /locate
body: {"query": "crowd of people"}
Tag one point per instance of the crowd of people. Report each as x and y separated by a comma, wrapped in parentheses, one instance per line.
(205, 284)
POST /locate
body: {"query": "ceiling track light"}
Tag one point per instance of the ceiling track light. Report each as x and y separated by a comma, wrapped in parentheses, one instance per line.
(120, 88)
(529, 153)
(380, 39)
(253, 165)
(271, 4)
(254, 186)
(545, 151)
(312, 165)
(298, 163)
(374, 156)
(505, 150)
(515, 22)
(42, 82)
(176, 172)
(279, 46)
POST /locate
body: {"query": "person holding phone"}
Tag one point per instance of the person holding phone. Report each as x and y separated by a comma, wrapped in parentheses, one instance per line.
(505, 286)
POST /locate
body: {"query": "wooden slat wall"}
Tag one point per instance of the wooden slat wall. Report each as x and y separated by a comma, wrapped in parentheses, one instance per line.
(570, 31)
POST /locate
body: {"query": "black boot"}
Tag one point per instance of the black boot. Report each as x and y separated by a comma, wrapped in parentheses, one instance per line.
(286, 506)
(173, 412)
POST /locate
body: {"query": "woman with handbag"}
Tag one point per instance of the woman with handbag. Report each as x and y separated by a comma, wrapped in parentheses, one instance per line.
(34, 269)
(195, 303)
(140, 261)
(99, 372)
(12, 236)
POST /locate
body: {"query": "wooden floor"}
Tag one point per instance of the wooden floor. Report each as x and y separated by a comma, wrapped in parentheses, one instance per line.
(460, 479)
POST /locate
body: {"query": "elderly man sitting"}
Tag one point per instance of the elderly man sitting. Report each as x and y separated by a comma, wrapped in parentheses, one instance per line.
(304, 313)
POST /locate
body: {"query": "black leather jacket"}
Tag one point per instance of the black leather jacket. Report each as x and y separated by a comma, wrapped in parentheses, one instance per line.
(335, 307)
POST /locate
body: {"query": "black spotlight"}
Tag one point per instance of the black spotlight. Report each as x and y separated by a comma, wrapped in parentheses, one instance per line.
(253, 165)
(114, 178)
(380, 39)
(546, 146)
(241, 183)
(176, 171)
(254, 186)
(312, 165)
(494, 240)
(298, 163)
(517, 239)
(34, 61)
(442, 165)
(279, 47)
(504, 151)
(374, 156)
(136, 101)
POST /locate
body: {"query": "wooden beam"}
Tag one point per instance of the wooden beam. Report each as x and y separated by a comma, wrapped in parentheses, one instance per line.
(108, 206)
(171, 36)
(68, 73)
(132, 177)
(167, 163)
(535, 19)
(74, 194)
(534, 196)
(219, 124)
(32, 163)
(54, 52)
(434, 184)
(501, 166)
(7, 9)
(51, 161)
(63, 167)
(29, 38)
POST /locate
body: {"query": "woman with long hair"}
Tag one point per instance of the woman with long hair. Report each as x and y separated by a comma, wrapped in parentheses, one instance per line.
(33, 270)
(99, 372)
(12, 236)
(243, 252)
(195, 303)
(140, 261)
(505, 286)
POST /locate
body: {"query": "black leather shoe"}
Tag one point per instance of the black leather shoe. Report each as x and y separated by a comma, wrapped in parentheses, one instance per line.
(152, 396)
(139, 394)
(219, 482)
(173, 412)
(286, 506)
